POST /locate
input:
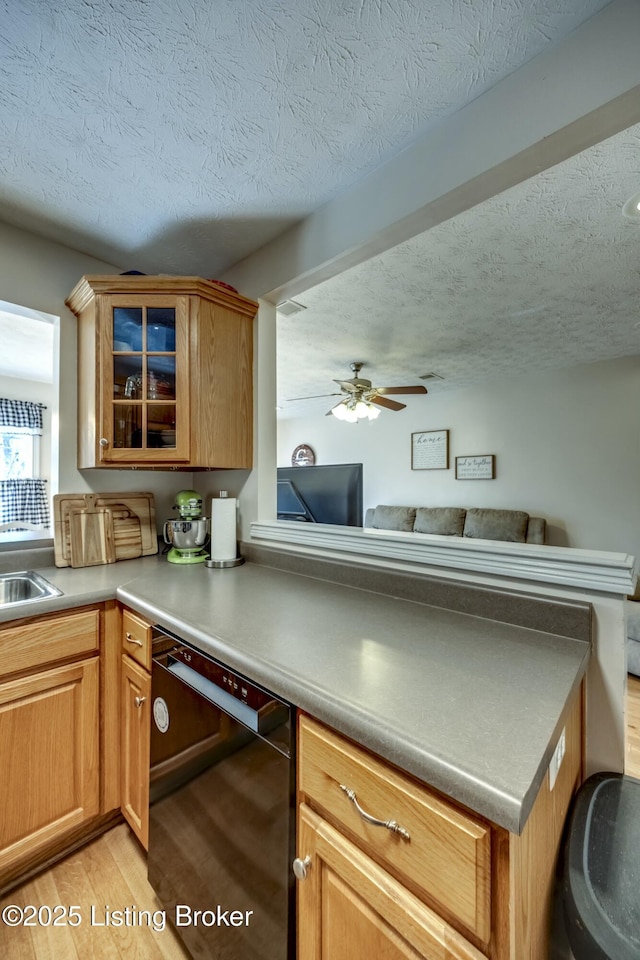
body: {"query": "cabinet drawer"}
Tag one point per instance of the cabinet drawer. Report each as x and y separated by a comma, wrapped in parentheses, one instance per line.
(136, 638)
(39, 643)
(447, 856)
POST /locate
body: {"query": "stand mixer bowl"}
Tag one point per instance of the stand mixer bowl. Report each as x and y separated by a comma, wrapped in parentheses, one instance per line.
(186, 535)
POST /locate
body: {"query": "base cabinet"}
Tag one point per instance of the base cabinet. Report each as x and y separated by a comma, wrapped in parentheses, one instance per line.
(136, 715)
(135, 723)
(49, 758)
(388, 868)
(352, 909)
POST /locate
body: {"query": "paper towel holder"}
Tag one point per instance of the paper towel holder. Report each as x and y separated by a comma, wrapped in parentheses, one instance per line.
(220, 564)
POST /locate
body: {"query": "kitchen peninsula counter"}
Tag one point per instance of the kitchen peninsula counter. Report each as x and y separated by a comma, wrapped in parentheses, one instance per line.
(471, 706)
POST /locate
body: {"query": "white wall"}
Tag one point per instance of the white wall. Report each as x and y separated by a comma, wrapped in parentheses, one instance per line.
(40, 274)
(566, 442)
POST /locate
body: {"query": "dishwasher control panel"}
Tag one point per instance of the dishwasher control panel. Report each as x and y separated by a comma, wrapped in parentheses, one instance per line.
(234, 684)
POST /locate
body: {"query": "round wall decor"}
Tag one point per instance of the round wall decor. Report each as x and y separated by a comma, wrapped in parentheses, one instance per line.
(303, 456)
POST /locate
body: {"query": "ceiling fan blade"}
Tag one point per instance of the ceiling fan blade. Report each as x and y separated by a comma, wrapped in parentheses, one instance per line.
(389, 404)
(315, 396)
(386, 390)
(346, 385)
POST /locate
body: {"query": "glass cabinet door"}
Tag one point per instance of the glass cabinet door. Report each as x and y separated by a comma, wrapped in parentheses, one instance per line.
(145, 400)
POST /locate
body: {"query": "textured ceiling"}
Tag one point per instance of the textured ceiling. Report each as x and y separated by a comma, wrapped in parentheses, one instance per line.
(546, 274)
(180, 135)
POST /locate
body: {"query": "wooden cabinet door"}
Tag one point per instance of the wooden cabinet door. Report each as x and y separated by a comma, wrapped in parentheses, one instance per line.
(349, 908)
(49, 758)
(144, 379)
(136, 720)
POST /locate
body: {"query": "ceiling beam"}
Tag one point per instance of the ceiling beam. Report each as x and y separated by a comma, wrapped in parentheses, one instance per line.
(579, 92)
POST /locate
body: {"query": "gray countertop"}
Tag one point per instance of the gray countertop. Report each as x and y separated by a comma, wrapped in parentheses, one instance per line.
(471, 706)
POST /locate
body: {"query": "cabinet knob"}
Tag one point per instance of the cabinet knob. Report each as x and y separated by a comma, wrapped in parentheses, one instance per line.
(131, 639)
(301, 867)
(139, 701)
(103, 442)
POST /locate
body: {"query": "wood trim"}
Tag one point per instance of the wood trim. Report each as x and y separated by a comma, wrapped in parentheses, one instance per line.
(92, 285)
(88, 387)
(43, 859)
(534, 854)
(110, 706)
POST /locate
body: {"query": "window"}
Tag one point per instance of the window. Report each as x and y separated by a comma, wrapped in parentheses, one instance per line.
(28, 420)
(23, 494)
(19, 454)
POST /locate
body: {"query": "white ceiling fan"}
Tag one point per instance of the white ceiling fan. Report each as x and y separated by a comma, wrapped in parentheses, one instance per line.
(358, 395)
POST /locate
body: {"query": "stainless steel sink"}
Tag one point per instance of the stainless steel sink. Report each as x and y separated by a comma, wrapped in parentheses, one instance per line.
(25, 587)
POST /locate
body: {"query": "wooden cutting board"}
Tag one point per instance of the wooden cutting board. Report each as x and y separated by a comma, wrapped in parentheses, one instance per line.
(129, 522)
(127, 531)
(91, 535)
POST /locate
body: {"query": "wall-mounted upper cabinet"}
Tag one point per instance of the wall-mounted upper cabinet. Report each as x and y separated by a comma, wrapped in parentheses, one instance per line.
(165, 373)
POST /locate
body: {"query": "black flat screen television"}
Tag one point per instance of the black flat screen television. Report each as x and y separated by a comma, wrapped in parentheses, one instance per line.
(331, 493)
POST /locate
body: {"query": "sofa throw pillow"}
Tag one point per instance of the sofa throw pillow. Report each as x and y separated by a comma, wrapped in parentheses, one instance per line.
(488, 524)
(394, 518)
(445, 521)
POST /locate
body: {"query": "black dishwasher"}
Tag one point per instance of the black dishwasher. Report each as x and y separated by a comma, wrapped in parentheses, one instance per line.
(222, 815)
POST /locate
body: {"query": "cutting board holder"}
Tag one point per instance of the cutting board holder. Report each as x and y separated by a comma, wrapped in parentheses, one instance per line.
(96, 528)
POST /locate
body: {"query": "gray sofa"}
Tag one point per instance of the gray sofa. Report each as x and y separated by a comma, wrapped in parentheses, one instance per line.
(477, 522)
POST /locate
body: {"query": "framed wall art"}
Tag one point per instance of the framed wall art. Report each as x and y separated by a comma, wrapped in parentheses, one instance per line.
(480, 467)
(430, 450)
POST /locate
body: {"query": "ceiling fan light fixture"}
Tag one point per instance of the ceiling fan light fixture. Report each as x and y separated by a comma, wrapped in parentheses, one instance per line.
(351, 410)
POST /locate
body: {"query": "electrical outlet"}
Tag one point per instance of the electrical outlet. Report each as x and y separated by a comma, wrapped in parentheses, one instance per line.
(556, 759)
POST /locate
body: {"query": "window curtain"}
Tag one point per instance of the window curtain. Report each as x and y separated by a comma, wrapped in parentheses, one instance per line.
(24, 503)
(21, 413)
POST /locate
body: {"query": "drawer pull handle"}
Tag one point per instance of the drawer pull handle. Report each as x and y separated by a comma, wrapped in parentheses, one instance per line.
(139, 701)
(133, 640)
(392, 825)
(301, 867)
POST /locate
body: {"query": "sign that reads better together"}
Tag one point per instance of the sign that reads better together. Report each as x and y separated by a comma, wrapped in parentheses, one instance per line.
(475, 468)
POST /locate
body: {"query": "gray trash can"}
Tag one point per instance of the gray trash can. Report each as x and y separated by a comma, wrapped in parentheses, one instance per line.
(601, 869)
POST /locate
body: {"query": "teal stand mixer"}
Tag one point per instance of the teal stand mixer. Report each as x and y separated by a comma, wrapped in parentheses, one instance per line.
(187, 534)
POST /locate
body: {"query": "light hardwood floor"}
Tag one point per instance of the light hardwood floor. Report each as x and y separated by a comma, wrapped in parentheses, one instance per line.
(111, 871)
(632, 740)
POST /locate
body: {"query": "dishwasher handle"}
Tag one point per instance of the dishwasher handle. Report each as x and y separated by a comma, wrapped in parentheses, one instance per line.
(273, 715)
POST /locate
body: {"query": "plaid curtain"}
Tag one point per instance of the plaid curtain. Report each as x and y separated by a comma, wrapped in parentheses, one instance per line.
(21, 413)
(23, 501)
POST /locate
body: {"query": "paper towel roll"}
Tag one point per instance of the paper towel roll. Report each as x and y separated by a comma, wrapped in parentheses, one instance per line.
(223, 529)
